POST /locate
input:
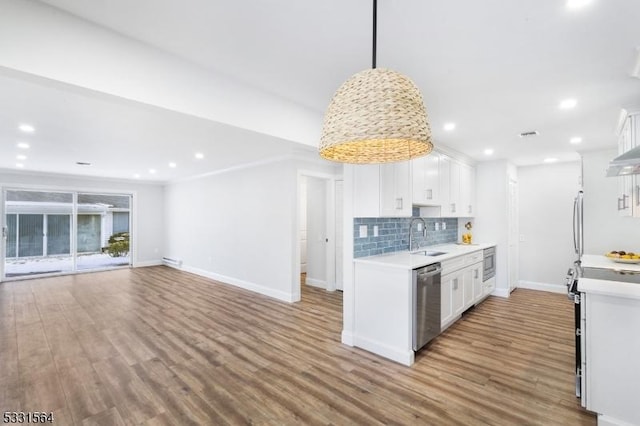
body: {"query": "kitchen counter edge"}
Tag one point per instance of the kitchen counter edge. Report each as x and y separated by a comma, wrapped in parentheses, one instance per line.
(406, 260)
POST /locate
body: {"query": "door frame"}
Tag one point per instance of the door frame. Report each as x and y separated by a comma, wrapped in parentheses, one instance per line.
(330, 266)
(74, 191)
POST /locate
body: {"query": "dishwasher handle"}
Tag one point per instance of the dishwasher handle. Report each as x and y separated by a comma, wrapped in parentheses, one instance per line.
(430, 272)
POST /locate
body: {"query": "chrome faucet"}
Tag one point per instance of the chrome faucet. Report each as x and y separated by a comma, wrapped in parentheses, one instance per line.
(424, 231)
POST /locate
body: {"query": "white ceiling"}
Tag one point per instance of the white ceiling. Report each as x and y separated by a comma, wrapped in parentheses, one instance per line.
(494, 67)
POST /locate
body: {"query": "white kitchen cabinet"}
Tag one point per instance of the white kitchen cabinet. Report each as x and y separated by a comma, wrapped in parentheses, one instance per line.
(446, 309)
(382, 190)
(395, 189)
(477, 285)
(488, 287)
(467, 191)
(426, 180)
(453, 209)
(456, 188)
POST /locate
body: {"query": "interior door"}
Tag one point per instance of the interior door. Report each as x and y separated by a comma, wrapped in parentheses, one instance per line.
(513, 235)
(338, 237)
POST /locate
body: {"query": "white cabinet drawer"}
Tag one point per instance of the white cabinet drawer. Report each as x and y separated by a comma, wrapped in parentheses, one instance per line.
(474, 257)
(453, 265)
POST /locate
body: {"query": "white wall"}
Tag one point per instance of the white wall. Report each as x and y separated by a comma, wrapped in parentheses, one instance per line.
(545, 221)
(604, 230)
(316, 231)
(44, 41)
(148, 216)
(241, 226)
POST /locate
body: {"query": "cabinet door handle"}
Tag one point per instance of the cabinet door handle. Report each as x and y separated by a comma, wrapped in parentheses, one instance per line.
(455, 284)
(399, 203)
(429, 194)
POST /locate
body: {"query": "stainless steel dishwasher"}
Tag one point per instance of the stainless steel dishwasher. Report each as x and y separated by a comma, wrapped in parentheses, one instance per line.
(426, 304)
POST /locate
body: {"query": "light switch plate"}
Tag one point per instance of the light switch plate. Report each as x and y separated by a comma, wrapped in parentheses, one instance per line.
(363, 231)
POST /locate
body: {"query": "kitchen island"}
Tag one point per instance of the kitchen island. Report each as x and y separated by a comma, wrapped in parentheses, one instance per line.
(610, 324)
(384, 298)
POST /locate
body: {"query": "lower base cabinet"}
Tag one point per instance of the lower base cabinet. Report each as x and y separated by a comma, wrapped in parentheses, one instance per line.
(460, 290)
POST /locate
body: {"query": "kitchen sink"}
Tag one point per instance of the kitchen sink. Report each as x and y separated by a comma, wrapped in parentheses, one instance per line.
(429, 253)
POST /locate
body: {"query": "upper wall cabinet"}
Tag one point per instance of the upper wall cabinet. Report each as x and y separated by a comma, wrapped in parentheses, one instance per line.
(455, 183)
(395, 189)
(382, 190)
(629, 186)
(427, 179)
(444, 186)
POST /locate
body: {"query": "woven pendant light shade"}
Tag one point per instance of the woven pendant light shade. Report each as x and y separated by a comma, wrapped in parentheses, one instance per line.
(377, 116)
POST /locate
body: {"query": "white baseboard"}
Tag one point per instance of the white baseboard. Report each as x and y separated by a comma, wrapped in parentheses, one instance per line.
(146, 263)
(501, 292)
(553, 288)
(347, 338)
(316, 283)
(276, 294)
(402, 357)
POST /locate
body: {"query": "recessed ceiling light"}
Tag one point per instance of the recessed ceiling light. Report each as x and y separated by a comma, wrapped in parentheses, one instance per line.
(199, 155)
(27, 128)
(449, 126)
(488, 151)
(577, 4)
(550, 160)
(23, 145)
(173, 165)
(136, 176)
(575, 140)
(21, 157)
(152, 171)
(568, 104)
(19, 165)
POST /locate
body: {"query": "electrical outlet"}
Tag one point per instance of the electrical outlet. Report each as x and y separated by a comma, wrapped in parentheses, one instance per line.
(363, 231)
(437, 226)
(444, 225)
(375, 230)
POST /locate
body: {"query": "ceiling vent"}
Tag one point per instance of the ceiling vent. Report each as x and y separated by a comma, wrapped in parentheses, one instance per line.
(529, 134)
(82, 163)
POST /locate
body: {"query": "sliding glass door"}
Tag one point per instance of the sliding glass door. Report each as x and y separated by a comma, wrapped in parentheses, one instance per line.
(103, 231)
(47, 232)
(38, 232)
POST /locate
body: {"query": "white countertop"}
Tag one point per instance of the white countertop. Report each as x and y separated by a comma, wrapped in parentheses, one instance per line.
(406, 260)
(607, 287)
(603, 262)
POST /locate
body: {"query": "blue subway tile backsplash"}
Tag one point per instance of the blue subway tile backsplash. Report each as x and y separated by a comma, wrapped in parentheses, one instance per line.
(393, 234)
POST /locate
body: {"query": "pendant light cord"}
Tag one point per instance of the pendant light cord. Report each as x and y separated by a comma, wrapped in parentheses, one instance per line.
(375, 33)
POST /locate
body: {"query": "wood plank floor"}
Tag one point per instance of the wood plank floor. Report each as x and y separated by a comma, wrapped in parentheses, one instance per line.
(157, 346)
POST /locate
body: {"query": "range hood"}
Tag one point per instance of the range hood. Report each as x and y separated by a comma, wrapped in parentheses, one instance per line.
(625, 164)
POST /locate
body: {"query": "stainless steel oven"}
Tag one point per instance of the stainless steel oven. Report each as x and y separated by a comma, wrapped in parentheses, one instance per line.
(489, 269)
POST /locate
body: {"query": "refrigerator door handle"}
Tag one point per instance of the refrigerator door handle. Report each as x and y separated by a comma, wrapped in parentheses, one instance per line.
(580, 225)
(575, 224)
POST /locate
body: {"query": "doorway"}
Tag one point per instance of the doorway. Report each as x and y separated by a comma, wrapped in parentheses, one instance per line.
(58, 232)
(320, 231)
